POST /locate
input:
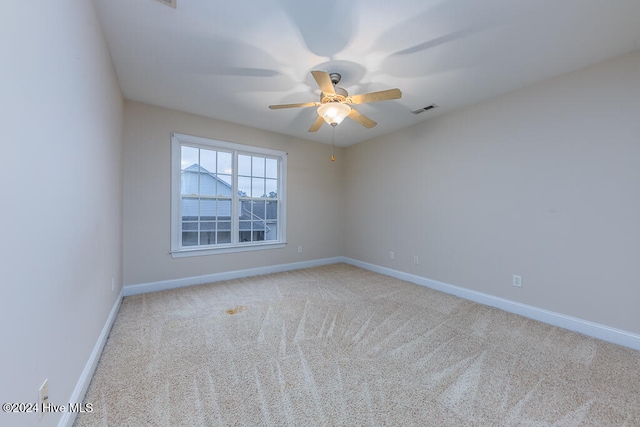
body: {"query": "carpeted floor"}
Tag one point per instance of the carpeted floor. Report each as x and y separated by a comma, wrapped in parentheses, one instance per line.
(342, 346)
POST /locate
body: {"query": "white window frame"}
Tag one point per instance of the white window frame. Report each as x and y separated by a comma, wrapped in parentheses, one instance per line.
(177, 250)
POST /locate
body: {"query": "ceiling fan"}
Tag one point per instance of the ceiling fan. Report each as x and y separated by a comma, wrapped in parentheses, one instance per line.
(335, 103)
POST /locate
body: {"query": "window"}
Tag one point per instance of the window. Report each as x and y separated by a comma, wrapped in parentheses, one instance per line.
(225, 197)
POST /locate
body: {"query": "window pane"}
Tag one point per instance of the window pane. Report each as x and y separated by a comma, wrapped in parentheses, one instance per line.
(224, 226)
(257, 209)
(207, 238)
(207, 226)
(189, 181)
(224, 209)
(272, 211)
(190, 208)
(224, 163)
(272, 188)
(245, 231)
(244, 186)
(258, 167)
(189, 238)
(257, 187)
(188, 157)
(224, 185)
(244, 165)
(224, 237)
(207, 184)
(258, 225)
(208, 160)
(189, 226)
(272, 168)
(272, 232)
(207, 209)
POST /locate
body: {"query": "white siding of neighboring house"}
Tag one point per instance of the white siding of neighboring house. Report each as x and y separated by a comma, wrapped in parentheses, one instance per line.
(210, 185)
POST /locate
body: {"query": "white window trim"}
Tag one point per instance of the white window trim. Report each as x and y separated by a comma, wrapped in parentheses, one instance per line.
(177, 139)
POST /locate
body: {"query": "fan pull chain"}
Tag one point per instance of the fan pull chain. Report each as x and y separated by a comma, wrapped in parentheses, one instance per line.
(333, 141)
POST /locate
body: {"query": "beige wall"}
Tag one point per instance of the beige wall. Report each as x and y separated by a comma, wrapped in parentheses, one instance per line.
(543, 182)
(315, 208)
(61, 191)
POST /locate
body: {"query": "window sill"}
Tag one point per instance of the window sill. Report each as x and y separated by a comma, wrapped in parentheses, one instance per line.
(182, 253)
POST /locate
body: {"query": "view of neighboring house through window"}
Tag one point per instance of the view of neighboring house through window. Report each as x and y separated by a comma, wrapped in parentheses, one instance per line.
(258, 191)
(225, 196)
(206, 196)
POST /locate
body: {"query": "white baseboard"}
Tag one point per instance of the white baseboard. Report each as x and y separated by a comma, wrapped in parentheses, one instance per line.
(87, 373)
(606, 333)
(144, 288)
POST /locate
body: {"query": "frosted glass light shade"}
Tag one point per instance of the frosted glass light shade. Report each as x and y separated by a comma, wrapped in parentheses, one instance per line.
(334, 112)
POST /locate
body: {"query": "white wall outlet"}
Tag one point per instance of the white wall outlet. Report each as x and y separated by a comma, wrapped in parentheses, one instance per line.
(43, 399)
(113, 284)
(517, 281)
(392, 255)
(300, 249)
(416, 260)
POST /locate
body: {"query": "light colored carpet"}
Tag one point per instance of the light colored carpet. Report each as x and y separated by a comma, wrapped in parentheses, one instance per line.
(342, 346)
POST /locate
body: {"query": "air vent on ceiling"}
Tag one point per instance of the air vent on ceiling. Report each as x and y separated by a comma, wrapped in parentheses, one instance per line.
(171, 3)
(427, 108)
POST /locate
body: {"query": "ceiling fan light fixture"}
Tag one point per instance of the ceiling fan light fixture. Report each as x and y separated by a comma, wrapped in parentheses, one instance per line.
(334, 112)
(335, 103)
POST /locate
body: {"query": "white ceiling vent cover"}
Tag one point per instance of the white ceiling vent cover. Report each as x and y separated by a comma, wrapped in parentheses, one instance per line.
(423, 109)
(171, 3)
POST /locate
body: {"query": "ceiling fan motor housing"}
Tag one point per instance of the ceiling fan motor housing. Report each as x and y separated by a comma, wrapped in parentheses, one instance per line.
(339, 96)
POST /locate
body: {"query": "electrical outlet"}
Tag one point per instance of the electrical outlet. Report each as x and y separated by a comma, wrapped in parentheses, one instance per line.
(300, 249)
(113, 284)
(415, 260)
(43, 399)
(517, 281)
(392, 255)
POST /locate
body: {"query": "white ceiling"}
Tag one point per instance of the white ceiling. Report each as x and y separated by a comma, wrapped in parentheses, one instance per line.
(231, 59)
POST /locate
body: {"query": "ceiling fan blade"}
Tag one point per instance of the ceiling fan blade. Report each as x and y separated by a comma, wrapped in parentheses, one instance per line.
(383, 95)
(324, 81)
(305, 104)
(316, 125)
(362, 119)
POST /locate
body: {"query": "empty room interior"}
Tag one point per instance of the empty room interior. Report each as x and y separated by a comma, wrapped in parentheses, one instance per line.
(320, 213)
